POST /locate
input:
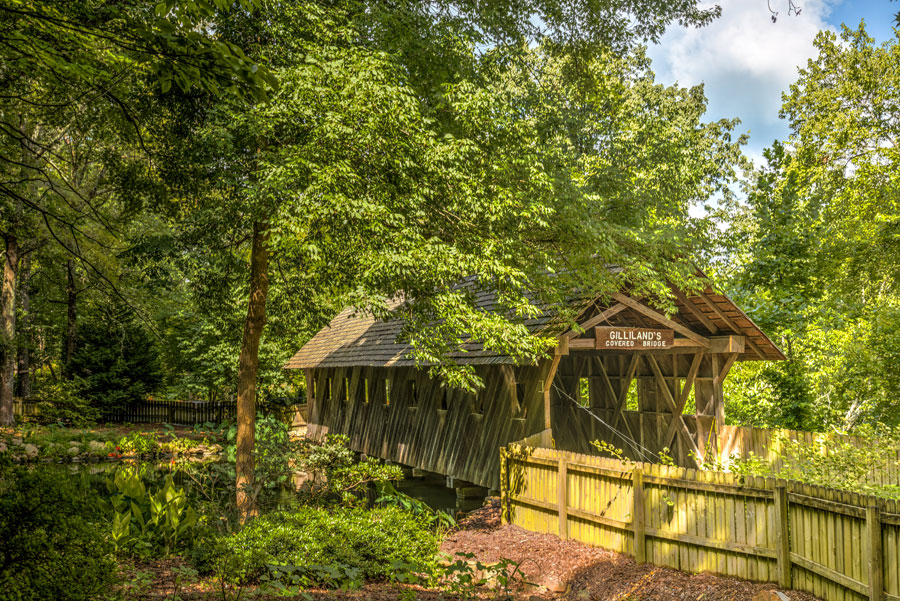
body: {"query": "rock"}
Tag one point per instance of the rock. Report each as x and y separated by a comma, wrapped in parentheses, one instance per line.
(554, 585)
(214, 448)
(74, 443)
(74, 451)
(31, 450)
(95, 446)
(771, 596)
(17, 441)
(3, 447)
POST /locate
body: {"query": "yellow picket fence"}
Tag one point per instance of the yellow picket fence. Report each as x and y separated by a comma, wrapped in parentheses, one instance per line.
(840, 546)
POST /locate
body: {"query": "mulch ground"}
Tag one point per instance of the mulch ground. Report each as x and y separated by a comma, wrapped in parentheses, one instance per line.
(557, 570)
(571, 570)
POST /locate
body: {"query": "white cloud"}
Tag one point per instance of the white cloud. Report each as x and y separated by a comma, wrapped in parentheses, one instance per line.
(745, 61)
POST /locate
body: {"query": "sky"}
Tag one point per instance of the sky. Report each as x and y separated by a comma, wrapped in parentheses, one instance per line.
(745, 61)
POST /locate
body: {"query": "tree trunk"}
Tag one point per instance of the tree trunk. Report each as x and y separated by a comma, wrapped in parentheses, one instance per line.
(71, 322)
(247, 369)
(24, 359)
(8, 329)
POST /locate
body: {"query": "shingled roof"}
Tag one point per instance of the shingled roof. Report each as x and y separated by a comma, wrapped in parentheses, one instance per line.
(352, 339)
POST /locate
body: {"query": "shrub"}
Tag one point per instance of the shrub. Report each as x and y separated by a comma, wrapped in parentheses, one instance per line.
(49, 547)
(63, 404)
(371, 541)
(338, 477)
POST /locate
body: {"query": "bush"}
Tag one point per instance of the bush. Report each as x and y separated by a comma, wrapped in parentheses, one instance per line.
(49, 547)
(63, 404)
(371, 541)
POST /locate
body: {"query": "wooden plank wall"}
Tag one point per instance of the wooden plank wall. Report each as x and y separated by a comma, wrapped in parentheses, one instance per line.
(836, 545)
(425, 425)
(640, 433)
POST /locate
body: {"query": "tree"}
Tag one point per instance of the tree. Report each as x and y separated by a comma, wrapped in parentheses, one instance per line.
(817, 244)
(392, 165)
(72, 75)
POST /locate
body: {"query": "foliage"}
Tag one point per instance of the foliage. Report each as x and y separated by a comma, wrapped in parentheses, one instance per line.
(310, 538)
(148, 523)
(116, 363)
(138, 443)
(338, 476)
(813, 253)
(463, 577)
(831, 462)
(64, 404)
(49, 546)
(274, 452)
(388, 495)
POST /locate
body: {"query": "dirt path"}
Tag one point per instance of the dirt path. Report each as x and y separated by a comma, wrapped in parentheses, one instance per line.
(571, 570)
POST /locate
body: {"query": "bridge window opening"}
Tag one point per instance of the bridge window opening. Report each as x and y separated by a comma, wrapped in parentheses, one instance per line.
(366, 390)
(584, 392)
(411, 393)
(690, 407)
(477, 403)
(328, 388)
(631, 398)
(387, 391)
(346, 390)
(445, 401)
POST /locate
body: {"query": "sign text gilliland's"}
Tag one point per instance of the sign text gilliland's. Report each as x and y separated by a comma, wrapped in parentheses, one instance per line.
(634, 338)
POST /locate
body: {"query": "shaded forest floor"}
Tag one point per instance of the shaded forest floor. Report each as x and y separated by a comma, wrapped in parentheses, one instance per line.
(555, 569)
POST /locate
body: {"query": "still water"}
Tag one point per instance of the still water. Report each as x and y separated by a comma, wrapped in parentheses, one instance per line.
(431, 490)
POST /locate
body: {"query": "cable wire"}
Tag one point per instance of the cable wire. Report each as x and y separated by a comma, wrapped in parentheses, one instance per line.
(637, 447)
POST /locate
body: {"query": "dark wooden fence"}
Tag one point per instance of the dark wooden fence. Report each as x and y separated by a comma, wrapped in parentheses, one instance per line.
(170, 412)
(182, 413)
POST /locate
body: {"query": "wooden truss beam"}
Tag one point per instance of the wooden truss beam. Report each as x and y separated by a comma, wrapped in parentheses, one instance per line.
(695, 311)
(682, 399)
(660, 318)
(596, 319)
(549, 375)
(730, 323)
(677, 417)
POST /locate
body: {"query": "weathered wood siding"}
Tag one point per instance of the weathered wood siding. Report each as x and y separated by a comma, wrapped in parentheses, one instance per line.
(425, 425)
(641, 432)
(837, 545)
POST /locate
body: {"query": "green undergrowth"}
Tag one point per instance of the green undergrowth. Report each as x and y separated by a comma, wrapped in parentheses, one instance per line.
(365, 543)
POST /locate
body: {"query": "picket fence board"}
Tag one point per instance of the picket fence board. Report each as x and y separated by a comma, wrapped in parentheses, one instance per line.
(705, 521)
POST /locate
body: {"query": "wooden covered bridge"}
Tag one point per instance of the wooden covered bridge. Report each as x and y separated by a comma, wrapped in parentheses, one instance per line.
(625, 376)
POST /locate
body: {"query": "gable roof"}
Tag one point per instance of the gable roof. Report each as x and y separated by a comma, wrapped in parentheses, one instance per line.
(360, 340)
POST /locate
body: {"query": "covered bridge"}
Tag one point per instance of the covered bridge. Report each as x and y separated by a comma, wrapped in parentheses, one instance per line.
(625, 376)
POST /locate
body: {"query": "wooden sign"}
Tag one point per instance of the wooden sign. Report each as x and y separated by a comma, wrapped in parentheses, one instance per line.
(634, 339)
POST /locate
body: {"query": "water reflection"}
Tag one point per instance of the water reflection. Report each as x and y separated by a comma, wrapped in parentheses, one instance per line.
(431, 490)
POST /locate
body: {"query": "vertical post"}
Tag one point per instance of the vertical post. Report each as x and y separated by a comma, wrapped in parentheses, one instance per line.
(637, 515)
(504, 487)
(876, 571)
(562, 497)
(782, 537)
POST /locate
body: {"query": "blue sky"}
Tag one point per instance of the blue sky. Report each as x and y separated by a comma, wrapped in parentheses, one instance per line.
(745, 61)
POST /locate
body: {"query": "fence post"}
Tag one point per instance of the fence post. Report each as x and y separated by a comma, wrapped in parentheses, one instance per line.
(876, 570)
(504, 488)
(782, 537)
(563, 497)
(637, 515)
